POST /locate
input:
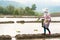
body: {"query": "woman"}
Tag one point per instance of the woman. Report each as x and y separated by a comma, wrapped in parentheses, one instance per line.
(47, 20)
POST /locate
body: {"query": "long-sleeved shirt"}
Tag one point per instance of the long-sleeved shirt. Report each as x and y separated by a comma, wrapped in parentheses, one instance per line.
(47, 18)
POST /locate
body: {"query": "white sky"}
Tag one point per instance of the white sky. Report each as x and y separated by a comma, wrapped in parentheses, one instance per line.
(37, 1)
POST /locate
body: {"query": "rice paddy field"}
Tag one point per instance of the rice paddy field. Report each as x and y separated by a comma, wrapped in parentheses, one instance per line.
(27, 28)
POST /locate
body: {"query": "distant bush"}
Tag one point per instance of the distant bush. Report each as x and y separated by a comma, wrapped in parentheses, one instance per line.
(11, 10)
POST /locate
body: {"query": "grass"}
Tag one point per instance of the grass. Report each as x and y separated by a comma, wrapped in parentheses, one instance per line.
(33, 36)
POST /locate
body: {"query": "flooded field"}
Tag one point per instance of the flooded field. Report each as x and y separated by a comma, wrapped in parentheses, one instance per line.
(27, 28)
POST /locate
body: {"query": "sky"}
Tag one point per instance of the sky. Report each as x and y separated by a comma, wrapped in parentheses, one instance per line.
(39, 3)
(51, 2)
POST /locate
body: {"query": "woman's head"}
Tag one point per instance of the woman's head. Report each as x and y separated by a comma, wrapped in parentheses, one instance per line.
(45, 10)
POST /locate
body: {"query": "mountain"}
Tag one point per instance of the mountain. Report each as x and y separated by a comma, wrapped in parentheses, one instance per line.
(6, 3)
(55, 9)
(51, 8)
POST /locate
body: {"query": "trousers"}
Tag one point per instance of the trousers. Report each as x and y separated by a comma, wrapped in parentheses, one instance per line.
(46, 28)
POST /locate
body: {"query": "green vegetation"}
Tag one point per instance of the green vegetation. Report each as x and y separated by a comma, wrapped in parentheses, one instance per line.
(11, 10)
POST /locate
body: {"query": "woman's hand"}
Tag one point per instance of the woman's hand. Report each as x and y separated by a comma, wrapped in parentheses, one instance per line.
(38, 19)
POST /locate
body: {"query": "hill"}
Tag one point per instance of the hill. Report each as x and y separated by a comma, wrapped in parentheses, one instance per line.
(6, 3)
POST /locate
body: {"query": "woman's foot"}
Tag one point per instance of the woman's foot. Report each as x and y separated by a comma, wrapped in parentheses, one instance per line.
(49, 33)
(43, 33)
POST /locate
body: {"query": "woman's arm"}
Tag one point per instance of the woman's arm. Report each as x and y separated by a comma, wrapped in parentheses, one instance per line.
(38, 19)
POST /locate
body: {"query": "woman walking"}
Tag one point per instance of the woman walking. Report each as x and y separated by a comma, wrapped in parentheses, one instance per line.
(47, 20)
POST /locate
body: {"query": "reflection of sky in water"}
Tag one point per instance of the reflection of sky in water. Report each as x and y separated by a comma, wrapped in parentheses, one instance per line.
(26, 28)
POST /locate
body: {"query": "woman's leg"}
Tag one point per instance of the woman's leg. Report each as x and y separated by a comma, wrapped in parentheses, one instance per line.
(48, 30)
(44, 30)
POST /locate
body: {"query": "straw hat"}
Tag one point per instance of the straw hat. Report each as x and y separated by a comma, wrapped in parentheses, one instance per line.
(45, 10)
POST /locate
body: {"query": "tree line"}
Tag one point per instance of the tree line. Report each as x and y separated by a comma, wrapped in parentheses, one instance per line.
(11, 10)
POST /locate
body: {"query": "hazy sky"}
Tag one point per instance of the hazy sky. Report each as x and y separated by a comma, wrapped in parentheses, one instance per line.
(51, 2)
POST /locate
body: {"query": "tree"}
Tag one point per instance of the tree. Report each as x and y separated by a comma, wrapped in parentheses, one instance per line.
(33, 7)
(1, 10)
(16, 12)
(10, 9)
(29, 11)
(21, 11)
